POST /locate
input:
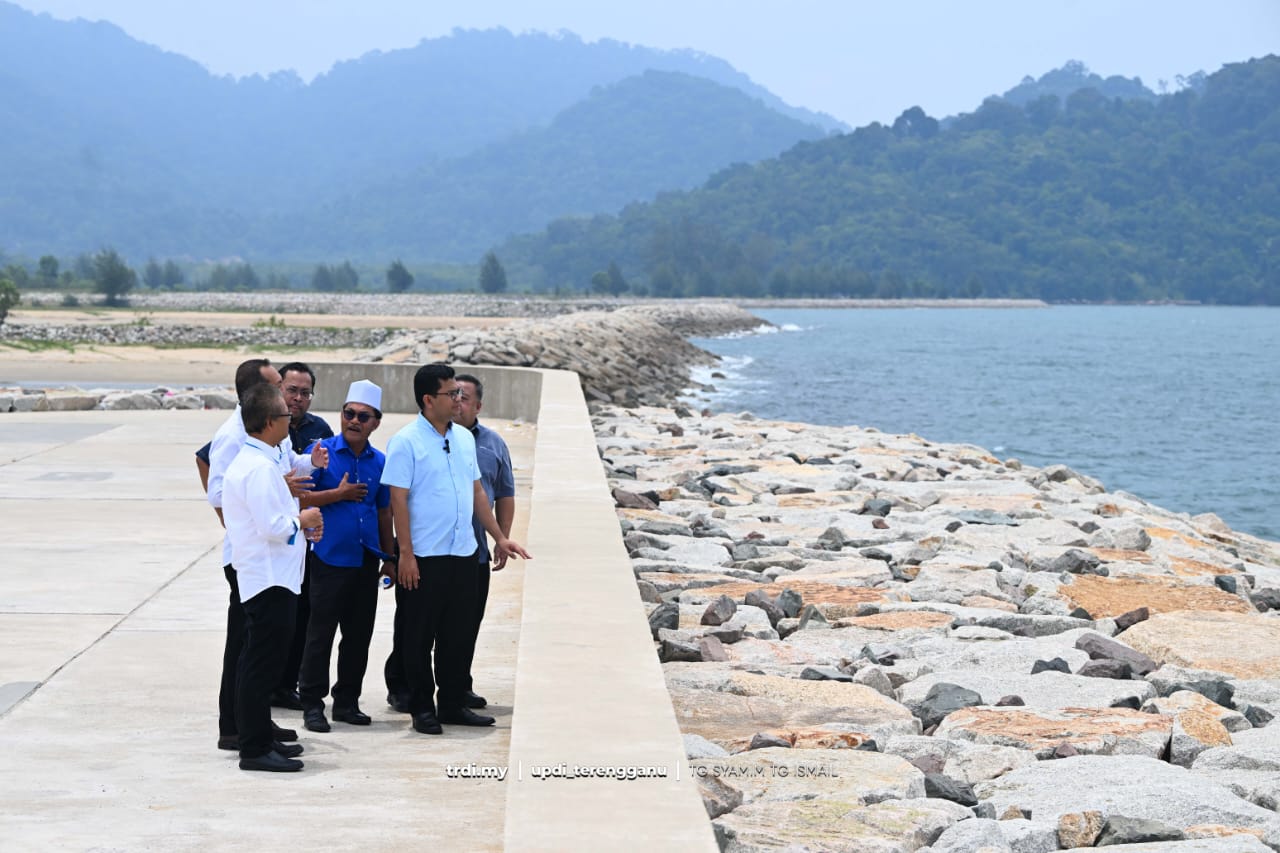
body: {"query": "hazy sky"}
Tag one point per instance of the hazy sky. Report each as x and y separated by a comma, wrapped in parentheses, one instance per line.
(859, 61)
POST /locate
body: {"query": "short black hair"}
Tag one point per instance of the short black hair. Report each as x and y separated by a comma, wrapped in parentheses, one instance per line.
(248, 374)
(467, 377)
(258, 405)
(298, 367)
(428, 378)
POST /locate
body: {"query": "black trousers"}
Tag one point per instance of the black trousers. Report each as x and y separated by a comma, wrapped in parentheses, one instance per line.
(482, 596)
(293, 663)
(437, 617)
(269, 621)
(393, 672)
(230, 656)
(341, 597)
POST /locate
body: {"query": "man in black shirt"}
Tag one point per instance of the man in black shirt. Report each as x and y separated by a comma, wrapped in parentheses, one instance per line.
(299, 382)
(305, 429)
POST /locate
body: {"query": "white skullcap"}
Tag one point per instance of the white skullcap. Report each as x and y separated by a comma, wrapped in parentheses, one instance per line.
(364, 391)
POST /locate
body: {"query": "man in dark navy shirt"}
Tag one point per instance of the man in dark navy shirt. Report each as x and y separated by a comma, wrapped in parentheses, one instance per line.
(346, 563)
(298, 384)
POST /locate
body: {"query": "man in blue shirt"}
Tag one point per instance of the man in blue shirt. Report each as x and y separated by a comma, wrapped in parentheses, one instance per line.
(499, 484)
(435, 494)
(346, 563)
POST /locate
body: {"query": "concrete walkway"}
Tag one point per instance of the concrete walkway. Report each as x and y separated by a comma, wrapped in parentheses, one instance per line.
(112, 608)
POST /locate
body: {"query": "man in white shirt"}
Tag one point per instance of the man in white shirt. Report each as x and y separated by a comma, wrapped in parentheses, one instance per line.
(268, 535)
(226, 445)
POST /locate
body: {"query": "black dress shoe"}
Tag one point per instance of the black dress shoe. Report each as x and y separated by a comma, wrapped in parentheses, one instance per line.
(398, 702)
(229, 742)
(282, 735)
(465, 717)
(352, 715)
(313, 719)
(471, 699)
(272, 762)
(282, 697)
(288, 750)
(427, 723)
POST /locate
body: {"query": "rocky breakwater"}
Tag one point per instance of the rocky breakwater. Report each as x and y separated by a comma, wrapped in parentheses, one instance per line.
(633, 356)
(164, 334)
(874, 642)
(70, 399)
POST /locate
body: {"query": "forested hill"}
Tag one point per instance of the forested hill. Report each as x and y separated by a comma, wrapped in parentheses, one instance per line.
(1084, 199)
(115, 142)
(657, 130)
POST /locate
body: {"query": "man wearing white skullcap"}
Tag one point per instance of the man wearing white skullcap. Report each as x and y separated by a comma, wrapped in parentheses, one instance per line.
(346, 563)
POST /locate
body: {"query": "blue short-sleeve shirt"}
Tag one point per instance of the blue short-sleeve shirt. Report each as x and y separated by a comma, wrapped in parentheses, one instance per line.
(440, 472)
(351, 527)
(495, 475)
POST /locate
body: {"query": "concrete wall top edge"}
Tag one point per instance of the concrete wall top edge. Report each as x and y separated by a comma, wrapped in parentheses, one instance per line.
(510, 393)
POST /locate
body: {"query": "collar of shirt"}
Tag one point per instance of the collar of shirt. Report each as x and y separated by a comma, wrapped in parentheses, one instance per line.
(425, 424)
(276, 453)
(340, 444)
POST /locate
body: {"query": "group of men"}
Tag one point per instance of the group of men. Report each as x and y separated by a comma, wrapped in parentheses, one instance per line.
(314, 520)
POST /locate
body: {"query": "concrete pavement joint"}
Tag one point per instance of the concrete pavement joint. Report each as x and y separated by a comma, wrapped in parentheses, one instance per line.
(4, 710)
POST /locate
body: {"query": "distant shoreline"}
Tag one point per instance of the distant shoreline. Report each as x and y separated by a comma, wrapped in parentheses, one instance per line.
(750, 304)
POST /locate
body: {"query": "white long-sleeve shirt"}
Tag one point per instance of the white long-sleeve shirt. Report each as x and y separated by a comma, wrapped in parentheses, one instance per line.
(262, 521)
(226, 444)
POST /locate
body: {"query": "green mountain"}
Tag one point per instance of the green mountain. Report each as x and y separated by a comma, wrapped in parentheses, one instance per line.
(116, 142)
(658, 130)
(1091, 198)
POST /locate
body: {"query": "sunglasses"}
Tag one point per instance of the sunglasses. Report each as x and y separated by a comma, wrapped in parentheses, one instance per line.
(353, 415)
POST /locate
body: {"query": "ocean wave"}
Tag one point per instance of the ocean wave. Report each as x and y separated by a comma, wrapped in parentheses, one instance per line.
(763, 329)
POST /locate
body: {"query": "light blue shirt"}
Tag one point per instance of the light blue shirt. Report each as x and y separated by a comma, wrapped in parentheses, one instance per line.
(441, 486)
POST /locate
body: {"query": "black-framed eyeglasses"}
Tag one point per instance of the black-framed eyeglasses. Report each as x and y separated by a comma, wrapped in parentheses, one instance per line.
(305, 393)
(353, 415)
(455, 393)
(278, 415)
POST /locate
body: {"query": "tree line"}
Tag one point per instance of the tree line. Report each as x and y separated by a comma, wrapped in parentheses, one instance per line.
(109, 274)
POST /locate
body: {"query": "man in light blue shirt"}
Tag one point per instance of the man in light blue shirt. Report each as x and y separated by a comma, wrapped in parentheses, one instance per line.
(436, 492)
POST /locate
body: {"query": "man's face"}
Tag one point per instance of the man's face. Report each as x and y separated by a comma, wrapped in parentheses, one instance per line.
(439, 406)
(467, 408)
(297, 393)
(278, 424)
(354, 430)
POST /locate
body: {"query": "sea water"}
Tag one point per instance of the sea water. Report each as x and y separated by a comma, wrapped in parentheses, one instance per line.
(1175, 404)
